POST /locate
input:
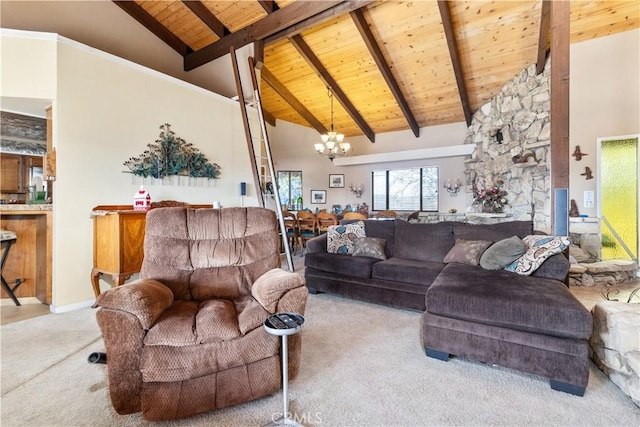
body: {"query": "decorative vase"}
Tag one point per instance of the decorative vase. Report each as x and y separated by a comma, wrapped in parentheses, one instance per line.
(491, 209)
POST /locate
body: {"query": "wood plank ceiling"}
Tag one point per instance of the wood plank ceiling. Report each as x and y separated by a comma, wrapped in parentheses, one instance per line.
(393, 65)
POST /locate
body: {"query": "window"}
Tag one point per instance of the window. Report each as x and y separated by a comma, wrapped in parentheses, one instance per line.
(289, 187)
(406, 189)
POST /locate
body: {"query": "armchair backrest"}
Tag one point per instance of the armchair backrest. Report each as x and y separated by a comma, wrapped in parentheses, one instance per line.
(209, 253)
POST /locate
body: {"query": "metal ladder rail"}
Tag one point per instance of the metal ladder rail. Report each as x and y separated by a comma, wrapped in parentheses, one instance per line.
(264, 141)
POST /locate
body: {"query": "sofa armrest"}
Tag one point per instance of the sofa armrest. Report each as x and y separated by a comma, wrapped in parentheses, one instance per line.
(555, 267)
(272, 285)
(317, 244)
(146, 299)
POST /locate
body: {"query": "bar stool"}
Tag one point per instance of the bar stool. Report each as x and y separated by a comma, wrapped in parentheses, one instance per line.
(7, 239)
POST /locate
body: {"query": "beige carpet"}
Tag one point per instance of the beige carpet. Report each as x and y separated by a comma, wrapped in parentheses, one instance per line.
(362, 366)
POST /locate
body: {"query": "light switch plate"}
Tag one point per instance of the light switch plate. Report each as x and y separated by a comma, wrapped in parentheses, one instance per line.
(589, 199)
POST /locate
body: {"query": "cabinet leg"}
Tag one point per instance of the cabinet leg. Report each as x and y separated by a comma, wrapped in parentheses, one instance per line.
(95, 281)
(119, 279)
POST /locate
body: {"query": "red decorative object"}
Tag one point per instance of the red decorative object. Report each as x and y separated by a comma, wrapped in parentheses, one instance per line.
(141, 200)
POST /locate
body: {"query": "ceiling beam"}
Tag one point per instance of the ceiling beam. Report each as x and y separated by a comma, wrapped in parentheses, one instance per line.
(271, 24)
(151, 24)
(305, 51)
(269, 6)
(543, 37)
(385, 70)
(290, 99)
(342, 8)
(205, 15)
(447, 24)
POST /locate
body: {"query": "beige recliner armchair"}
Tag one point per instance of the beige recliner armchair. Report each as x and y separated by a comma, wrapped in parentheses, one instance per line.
(187, 337)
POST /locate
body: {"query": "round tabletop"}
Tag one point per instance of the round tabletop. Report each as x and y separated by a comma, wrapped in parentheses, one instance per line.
(284, 323)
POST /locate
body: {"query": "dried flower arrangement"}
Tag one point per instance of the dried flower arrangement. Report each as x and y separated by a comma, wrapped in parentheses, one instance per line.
(172, 155)
(492, 199)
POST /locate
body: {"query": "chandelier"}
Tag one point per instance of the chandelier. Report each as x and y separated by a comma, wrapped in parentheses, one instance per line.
(332, 141)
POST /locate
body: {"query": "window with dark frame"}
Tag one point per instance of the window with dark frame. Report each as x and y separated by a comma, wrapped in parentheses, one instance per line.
(289, 187)
(409, 189)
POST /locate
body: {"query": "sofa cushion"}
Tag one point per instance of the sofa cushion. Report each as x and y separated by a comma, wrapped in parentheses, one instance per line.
(493, 232)
(380, 229)
(341, 238)
(467, 251)
(502, 253)
(341, 264)
(539, 249)
(423, 242)
(501, 298)
(407, 271)
(369, 246)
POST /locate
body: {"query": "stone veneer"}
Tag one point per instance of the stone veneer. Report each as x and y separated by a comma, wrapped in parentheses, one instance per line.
(521, 111)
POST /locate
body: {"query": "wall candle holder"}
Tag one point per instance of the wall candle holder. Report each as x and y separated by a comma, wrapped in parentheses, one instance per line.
(452, 187)
(357, 189)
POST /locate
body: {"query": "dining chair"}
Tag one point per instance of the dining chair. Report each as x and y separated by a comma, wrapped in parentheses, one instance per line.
(325, 220)
(307, 228)
(386, 214)
(291, 225)
(354, 215)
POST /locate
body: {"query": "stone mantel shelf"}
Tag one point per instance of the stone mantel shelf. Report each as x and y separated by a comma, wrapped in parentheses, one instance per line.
(488, 215)
(583, 219)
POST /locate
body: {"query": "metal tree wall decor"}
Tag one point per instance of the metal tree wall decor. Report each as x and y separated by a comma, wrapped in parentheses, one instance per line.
(172, 155)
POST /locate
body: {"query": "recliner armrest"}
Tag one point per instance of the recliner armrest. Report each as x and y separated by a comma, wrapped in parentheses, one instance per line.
(272, 285)
(144, 298)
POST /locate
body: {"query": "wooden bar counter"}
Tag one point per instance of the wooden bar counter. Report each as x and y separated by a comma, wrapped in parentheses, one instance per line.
(31, 256)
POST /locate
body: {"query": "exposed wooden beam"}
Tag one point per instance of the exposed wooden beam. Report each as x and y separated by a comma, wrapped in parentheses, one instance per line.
(269, 6)
(268, 117)
(447, 24)
(385, 70)
(290, 99)
(151, 24)
(271, 24)
(543, 37)
(342, 8)
(205, 15)
(560, 31)
(303, 48)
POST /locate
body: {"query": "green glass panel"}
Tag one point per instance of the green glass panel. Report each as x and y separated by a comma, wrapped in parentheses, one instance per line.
(619, 196)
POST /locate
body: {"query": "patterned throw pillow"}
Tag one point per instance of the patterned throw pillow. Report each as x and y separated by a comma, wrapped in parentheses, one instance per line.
(372, 247)
(540, 248)
(341, 238)
(467, 251)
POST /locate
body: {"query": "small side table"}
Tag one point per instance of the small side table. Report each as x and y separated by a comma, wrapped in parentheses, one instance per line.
(284, 324)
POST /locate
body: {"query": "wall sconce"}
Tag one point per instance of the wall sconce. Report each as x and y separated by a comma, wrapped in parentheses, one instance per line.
(453, 187)
(357, 189)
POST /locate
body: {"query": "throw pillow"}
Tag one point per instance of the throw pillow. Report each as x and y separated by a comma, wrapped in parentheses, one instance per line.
(372, 247)
(341, 238)
(502, 253)
(539, 249)
(467, 251)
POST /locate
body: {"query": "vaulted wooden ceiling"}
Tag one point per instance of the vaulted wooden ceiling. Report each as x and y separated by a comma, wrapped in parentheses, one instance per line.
(392, 65)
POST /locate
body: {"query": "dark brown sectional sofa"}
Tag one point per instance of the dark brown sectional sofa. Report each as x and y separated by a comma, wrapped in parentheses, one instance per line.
(529, 323)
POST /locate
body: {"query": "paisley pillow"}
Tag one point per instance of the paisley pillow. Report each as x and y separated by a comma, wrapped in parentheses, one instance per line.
(540, 248)
(341, 238)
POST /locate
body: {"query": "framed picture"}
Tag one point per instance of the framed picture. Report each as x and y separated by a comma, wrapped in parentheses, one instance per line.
(336, 180)
(318, 196)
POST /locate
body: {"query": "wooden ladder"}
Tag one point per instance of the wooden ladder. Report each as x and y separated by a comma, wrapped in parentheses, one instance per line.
(261, 164)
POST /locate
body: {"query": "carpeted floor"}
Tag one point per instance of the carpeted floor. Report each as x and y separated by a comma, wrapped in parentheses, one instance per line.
(362, 365)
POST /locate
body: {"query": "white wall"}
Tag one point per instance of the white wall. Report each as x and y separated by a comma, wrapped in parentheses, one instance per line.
(105, 110)
(292, 147)
(605, 101)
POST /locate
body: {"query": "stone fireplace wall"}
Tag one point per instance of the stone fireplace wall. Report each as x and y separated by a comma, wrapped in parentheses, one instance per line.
(521, 112)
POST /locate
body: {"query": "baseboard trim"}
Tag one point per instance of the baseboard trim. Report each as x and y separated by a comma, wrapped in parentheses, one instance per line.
(72, 307)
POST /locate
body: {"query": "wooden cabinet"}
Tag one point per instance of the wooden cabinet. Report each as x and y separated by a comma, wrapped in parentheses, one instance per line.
(15, 170)
(12, 179)
(118, 238)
